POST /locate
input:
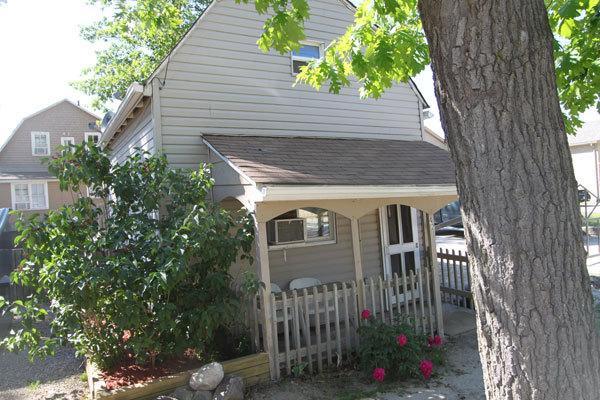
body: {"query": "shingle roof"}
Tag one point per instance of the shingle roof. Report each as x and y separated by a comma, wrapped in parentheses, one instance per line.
(312, 161)
(20, 176)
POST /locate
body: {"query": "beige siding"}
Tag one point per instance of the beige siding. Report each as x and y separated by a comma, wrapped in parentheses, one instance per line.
(62, 120)
(219, 82)
(138, 134)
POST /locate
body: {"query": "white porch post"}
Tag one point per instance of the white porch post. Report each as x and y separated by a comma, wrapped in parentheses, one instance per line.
(262, 258)
(358, 269)
(435, 275)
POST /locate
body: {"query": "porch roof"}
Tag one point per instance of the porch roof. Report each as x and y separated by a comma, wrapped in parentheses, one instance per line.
(320, 161)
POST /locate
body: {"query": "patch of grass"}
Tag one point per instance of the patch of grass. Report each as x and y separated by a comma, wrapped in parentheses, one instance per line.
(33, 385)
(83, 377)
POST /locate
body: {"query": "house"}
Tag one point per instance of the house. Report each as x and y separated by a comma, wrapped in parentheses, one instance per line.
(341, 188)
(25, 183)
(431, 136)
(585, 148)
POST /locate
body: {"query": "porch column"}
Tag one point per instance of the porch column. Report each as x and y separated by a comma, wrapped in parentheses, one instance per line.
(358, 270)
(262, 258)
(435, 275)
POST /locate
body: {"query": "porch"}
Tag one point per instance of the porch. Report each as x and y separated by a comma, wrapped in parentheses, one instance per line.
(332, 241)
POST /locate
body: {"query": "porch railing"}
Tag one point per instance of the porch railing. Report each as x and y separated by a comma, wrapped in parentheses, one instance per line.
(317, 327)
(455, 282)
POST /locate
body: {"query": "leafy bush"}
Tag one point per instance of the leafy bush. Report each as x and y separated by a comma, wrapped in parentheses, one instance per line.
(396, 350)
(140, 269)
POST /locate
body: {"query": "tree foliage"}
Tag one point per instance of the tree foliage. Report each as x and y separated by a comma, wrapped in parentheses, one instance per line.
(386, 44)
(133, 36)
(141, 268)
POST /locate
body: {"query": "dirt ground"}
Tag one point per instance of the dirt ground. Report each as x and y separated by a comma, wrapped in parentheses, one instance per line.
(461, 378)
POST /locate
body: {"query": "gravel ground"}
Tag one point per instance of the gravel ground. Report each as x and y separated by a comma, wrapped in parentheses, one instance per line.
(460, 379)
(56, 377)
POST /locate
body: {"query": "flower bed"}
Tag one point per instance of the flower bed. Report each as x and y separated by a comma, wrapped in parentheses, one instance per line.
(253, 369)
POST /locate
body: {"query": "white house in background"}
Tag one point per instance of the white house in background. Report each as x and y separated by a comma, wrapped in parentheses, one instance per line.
(435, 138)
(341, 188)
(585, 148)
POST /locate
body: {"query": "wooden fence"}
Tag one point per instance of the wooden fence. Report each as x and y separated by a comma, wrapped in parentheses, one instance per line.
(455, 282)
(317, 327)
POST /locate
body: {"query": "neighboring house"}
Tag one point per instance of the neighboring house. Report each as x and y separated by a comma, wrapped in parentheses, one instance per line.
(25, 183)
(341, 188)
(431, 136)
(585, 148)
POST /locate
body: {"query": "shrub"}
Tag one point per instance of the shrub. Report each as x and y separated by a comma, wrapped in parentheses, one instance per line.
(141, 269)
(396, 350)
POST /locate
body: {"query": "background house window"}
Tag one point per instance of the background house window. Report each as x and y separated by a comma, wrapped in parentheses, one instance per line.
(304, 55)
(40, 143)
(29, 196)
(93, 136)
(67, 140)
(302, 227)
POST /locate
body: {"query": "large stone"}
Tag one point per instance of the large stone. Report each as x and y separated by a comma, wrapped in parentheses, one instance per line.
(207, 377)
(184, 393)
(231, 388)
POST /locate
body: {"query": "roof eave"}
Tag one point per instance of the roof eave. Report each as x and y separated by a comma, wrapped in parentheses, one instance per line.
(134, 93)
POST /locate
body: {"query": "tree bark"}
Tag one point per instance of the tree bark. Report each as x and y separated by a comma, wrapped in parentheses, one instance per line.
(495, 83)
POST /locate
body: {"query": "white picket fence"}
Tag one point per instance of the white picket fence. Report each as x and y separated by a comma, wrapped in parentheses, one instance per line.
(317, 327)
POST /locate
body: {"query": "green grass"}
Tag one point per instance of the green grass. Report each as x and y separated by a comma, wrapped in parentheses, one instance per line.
(33, 385)
(83, 377)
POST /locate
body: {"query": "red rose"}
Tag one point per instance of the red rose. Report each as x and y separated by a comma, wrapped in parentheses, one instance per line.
(401, 340)
(435, 341)
(379, 374)
(426, 367)
(365, 314)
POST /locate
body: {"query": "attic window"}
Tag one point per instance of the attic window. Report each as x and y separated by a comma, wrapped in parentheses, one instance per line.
(305, 54)
(40, 143)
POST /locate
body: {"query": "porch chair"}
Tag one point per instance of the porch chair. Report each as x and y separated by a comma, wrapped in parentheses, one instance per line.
(301, 283)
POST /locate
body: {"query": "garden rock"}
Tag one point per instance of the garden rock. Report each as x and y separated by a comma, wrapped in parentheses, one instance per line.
(231, 388)
(207, 377)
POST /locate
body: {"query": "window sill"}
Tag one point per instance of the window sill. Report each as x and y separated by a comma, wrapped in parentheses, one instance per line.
(301, 244)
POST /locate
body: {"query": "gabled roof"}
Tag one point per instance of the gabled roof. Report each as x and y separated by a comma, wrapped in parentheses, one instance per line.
(91, 114)
(356, 162)
(589, 133)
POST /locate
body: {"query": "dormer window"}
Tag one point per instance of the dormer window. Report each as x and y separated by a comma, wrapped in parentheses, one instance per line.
(40, 143)
(305, 54)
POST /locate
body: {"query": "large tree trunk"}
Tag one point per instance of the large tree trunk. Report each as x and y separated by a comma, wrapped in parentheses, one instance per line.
(494, 75)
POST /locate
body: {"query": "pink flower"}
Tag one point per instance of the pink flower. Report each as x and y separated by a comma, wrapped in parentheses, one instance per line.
(402, 340)
(365, 314)
(126, 335)
(435, 341)
(426, 367)
(379, 374)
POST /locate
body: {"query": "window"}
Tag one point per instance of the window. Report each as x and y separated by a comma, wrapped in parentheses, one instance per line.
(93, 136)
(302, 56)
(68, 141)
(302, 227)
(40, 143)
(30, 196)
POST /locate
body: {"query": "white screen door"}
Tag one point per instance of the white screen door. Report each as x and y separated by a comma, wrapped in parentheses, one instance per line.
(400, 241)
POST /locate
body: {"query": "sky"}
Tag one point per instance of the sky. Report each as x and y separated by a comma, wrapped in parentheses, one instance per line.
(40, 53)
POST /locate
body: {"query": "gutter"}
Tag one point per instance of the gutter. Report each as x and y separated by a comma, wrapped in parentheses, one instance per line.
(134, 93)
